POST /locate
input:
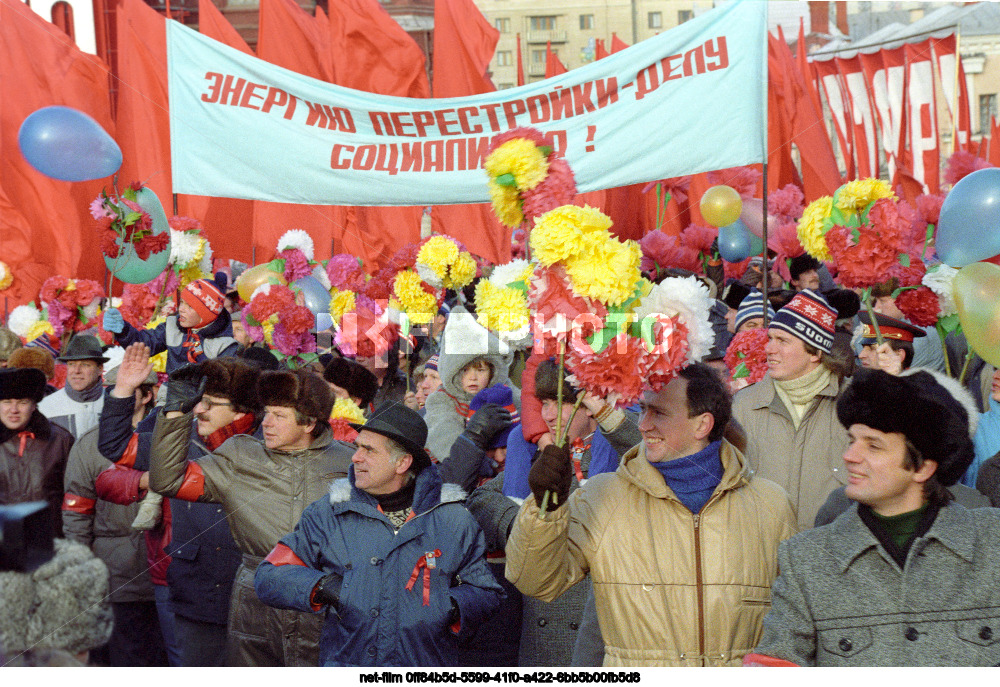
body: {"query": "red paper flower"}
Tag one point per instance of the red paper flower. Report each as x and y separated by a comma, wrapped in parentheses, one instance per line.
(277, 299)
(735, 270)
(342, 430)
(153, 243)
(920, 305)
(787, 203)
(406, 257)
(910, 275)
(87, 290)
(292, 343)
(866, 254)
(743, 180)
(530, 133)
(929, 207)
(961, 164)
(138, 303)
(379, 287)
(297, 319)
(618, 369)
(344, 272)
(296, 264)
(699, 238)
(51, 287)
(550, 294)
(557, 189)
(179, 223)
(745, 357)
(667, 357)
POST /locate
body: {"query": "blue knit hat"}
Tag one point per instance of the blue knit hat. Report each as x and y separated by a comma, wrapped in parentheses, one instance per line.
(502, 396)
(753, 306)
(809, 317)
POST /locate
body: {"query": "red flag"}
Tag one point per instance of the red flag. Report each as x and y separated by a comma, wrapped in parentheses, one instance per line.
(951, 74)
(464, 42)
(290, 38)
(832, 84)
(45, 224)
(806, 125)
(993, 150)
(212, 23)
(553, 66)
(805, 67)
(781, 169)
(617, 44)
(520, 63)
(372, 53)
(600, 51)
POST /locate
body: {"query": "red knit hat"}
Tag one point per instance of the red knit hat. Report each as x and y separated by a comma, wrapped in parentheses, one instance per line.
(205, 298)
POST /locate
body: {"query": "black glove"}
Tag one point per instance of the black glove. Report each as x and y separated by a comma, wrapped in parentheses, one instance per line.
(485, 424)
(184, 389)
(553, 472)
(327, 590)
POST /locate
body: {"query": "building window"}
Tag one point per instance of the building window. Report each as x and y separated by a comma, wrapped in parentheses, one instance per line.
(543, 23)
(504, 58)
(586, 21)
(684, 15)
(505, 86)
(538, 56)
(656, 20)
(502, 24)
(987, 111)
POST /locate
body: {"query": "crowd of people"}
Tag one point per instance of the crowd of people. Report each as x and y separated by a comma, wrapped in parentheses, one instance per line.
(832, 503)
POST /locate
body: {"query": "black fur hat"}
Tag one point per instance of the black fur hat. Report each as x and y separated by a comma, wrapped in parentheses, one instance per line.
(354, 377)
(22, 382)
(932, 416)
(302, 390)
(233, 379)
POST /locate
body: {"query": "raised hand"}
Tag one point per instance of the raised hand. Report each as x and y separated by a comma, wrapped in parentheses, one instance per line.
(133, 371)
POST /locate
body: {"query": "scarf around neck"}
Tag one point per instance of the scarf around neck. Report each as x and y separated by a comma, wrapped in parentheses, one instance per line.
(799, 393)
(88, 395)
(693, 478)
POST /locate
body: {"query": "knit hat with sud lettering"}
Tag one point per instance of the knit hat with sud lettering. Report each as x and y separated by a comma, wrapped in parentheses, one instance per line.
(205, 298)
(809, 317)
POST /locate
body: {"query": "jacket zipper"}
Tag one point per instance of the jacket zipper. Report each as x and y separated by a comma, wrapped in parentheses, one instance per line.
(699, 586)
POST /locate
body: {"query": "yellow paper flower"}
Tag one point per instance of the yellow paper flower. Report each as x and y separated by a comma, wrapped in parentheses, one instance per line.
(506, 204)
(159, 361)
(501, 309)
(268, 327)
(419, 306)
(346, 409)
(855, 196)
(462, 272)
(37, 329)
(340, 302)
(438, 254)
(566, 231)
(6, 276)
(812, 234)
(154, 323)
(609, 273)
(521, 158)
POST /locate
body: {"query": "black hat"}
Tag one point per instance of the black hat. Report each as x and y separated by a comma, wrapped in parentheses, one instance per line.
(22, 382)
(261, 358)
(83, 347)
(802, 263)
(355, 378)
(844, 301)
(735, 293)
(890, 327)
(404, 426)
(931, 412)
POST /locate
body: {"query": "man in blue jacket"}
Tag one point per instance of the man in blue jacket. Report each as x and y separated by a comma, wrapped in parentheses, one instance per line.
(395, 561)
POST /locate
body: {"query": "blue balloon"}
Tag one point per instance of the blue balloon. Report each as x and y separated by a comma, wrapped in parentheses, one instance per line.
(968, 227)
(316, 295)
(734, 242)
(68, 145)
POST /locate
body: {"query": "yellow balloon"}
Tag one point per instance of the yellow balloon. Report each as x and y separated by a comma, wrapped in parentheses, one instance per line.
(977, 296)
(248, 282)
(721, 206)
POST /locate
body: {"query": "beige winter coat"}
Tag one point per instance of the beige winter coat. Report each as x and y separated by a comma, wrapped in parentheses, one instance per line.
(808, 463)
(672, 588)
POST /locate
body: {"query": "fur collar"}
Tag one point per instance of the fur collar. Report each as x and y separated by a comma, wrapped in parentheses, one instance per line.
(340, 491)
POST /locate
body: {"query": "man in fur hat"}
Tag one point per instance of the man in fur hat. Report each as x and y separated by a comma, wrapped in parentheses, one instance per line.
(204, 557)
(414, 557)
(263, 484)
(905, 577)
(351, 379)
(33, 451)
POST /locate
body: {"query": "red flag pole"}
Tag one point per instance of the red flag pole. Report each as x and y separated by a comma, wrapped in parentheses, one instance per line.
(520, 63)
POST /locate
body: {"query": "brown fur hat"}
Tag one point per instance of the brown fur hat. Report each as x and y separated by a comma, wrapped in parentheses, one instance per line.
(23, 382)
(33, 357)
(303, 390)
(233, 379)
(353, 377)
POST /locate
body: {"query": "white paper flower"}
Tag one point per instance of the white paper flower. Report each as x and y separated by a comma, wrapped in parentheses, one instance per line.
(205, 265)
(297, 238)
(429, 276)
(183, 248)
(939, 279)
(21, 318)
(687, 297)
(261, 290)
(505, 274)
(322, 277)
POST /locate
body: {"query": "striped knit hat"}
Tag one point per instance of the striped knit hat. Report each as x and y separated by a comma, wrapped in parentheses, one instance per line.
(809, 317)
(205, 298)
(432, 363)
(753, 306)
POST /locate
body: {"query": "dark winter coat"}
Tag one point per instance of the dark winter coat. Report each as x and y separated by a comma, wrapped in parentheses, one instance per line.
(378, 621)
(216, 340)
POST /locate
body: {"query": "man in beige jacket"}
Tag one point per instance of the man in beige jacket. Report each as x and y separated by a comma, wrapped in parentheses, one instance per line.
(681, 542)
(790, 416)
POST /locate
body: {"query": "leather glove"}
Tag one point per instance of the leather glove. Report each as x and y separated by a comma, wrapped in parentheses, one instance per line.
(327, 590)
(551, 471)
(485, 423)
(184, 389)
(113, 321)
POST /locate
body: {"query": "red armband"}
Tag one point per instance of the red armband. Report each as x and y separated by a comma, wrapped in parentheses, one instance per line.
(193, 485)
(78, 504)
(763, 661)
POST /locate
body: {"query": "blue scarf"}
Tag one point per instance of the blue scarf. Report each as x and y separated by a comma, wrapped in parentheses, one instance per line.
(521, 454)
(694, 478)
